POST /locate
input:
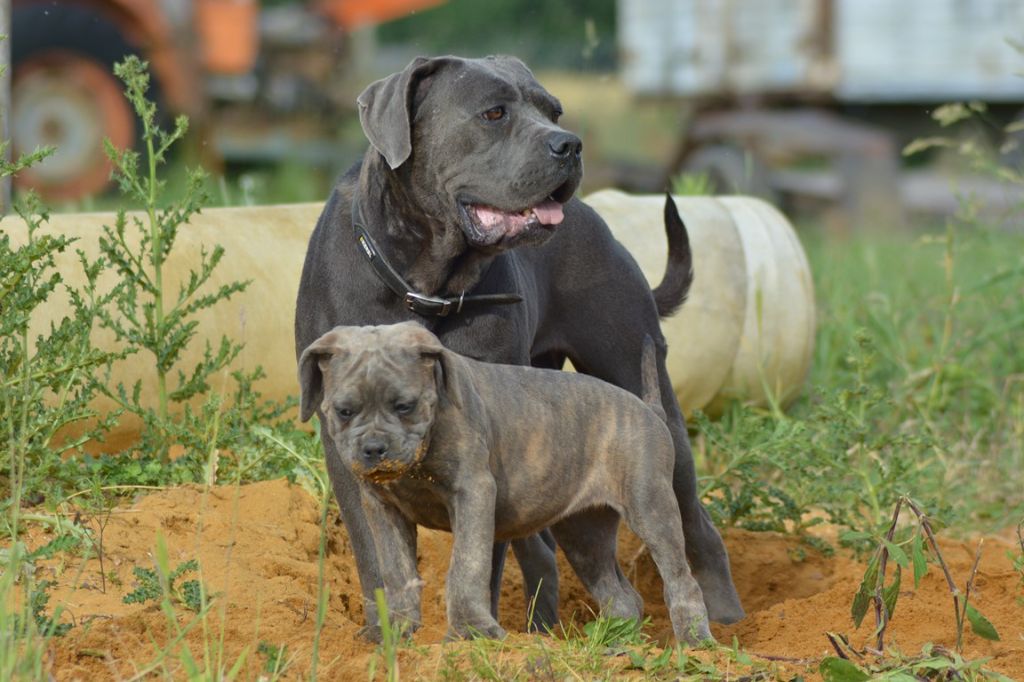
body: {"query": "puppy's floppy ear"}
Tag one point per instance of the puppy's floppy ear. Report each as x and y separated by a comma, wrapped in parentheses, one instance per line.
(311, 379)
(430, 348)
(444, 379)
(385, 109)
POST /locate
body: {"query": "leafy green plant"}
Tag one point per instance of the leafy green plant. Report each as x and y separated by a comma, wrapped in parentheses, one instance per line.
(46, 382)
(25, 632)
(162, 585)
(874, 591)
(153, 584)
(909, 553)
(39, 598)
(276, 657)
(149, 317)
(933, 663)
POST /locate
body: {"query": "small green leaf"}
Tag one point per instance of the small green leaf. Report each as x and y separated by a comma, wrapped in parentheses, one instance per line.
(891, 594)
(834, 669)
(920, 563)
(860, 605)
(636, 660)
(981, 625)
(897, 554)
(867, 587)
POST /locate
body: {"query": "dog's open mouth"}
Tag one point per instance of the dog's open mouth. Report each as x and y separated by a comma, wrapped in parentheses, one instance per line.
(492, 224)
(489, 219)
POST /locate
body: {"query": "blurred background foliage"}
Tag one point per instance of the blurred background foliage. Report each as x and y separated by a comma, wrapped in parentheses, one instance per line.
(577, 35)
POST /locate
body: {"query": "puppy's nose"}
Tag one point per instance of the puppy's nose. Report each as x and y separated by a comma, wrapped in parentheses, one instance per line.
(374, 450)
(564, 145)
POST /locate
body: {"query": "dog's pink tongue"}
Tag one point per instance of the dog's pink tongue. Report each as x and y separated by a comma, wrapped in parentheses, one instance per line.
(549, 212)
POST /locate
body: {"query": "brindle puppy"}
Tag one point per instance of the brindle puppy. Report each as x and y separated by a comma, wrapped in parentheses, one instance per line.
(491, 451)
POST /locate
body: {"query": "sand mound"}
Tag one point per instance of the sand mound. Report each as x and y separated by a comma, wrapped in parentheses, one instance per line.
(258, 548)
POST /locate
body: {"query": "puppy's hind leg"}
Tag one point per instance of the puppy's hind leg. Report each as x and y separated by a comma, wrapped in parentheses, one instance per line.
(704, 547)
(589, 542)
(653, 514)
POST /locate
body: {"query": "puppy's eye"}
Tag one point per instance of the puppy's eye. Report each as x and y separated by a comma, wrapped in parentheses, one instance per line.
(345, 412)
(557, 114)
(494, 114)
(405, 408)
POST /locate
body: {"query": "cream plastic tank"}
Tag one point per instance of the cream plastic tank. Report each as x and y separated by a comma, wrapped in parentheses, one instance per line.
(265, 245)
(745, 332)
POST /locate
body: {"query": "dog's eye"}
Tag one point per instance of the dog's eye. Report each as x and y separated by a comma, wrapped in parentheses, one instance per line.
(494, 114)
(404, 408)
(556, 114)
(345, 412)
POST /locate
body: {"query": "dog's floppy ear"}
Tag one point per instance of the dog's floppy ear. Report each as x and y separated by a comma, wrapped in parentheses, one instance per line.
(430, 348)
(311, 378)
(385, 109)
(447, 386)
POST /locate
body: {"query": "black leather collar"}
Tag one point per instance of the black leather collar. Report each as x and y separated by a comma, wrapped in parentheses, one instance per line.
(421, 304)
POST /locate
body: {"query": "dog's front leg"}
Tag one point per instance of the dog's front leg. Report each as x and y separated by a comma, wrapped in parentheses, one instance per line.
(468, 589)
(395, 538)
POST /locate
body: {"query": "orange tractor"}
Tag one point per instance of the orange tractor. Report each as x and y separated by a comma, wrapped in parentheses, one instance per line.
(206, 57)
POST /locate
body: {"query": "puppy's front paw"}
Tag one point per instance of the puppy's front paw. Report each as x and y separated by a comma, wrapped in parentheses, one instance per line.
(375, 635)
(488, 629)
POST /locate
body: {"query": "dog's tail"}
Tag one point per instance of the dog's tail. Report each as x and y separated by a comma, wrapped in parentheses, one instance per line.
(649, 387)
(671, 293)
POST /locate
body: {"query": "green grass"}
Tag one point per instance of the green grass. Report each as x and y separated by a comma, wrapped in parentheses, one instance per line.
(915, 389)
(944, 313)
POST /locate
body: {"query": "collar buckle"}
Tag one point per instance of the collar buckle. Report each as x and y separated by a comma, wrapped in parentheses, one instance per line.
(427, 305)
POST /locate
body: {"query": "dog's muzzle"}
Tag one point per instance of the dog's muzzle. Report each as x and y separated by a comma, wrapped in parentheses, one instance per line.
(376, 463)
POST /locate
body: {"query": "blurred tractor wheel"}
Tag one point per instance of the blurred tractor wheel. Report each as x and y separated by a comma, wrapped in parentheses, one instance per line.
(64, 94)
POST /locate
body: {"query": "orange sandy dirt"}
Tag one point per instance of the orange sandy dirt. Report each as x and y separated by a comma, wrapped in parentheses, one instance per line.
(258, 548)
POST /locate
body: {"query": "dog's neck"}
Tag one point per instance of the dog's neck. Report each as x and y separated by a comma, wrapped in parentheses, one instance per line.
(430, 252)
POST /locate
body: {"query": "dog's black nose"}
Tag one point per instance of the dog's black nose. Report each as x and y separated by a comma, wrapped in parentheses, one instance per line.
(374, 450)
(564, 145)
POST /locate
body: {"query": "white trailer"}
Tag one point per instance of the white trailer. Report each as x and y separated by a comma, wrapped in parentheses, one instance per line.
(852, 50)
(771, 76)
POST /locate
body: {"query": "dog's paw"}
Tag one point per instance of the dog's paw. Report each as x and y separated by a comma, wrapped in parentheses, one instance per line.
(720, 598)
(485, 629)
(375, 635)
(697, 634)
(371, 633)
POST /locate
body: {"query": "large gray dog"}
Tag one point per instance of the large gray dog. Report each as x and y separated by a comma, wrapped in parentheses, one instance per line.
(489, 452)
(467, 160)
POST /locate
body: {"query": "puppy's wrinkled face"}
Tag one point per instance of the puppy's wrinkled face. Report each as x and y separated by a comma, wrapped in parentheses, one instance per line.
(379, 404)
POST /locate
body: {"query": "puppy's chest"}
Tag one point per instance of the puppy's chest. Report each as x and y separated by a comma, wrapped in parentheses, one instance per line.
(420, 497)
